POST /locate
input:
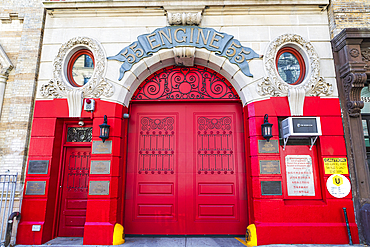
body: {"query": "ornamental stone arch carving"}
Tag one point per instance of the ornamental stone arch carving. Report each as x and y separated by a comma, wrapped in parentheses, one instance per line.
(313, 84)
(167, 57)
(59, 86)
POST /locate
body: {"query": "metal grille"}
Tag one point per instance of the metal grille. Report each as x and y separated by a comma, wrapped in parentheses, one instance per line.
(79, 134)
(215, 146)
(185, 83)
(7, 186)
(78, 171)
(156, 150)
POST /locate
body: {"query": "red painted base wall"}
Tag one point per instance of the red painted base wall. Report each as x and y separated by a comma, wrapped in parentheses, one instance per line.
(279, 219)
(298, 220)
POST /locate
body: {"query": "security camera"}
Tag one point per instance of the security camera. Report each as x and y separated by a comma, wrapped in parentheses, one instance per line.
(81, 123)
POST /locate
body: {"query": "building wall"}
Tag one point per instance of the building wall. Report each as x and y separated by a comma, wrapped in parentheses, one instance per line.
(254, 26)
(21, 29)
(347, 14)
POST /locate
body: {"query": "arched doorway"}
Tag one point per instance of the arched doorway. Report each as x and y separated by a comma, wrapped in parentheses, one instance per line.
(186, 161)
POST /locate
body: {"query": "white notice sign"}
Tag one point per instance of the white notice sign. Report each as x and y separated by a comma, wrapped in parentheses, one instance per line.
(299, 175)
(338, 185)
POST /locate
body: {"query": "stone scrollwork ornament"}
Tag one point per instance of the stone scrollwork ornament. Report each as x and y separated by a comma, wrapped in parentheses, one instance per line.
(273, 85)
(353, 84)
(59, 87)
(184, 18)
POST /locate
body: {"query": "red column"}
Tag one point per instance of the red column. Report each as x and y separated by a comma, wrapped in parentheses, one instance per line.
(38, 207)
(105, 198)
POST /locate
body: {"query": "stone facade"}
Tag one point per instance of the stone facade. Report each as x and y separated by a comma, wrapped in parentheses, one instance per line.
(20, 37)
(347, 14)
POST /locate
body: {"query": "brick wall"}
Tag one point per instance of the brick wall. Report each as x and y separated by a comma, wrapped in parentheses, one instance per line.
(21, 25)
(348, 13)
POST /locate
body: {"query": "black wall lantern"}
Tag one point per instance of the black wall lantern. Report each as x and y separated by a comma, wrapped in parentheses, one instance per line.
(104, 129)
(266, 128)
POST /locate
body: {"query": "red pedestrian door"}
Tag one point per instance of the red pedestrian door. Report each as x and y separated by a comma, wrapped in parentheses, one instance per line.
(186, 169)
(74, 192)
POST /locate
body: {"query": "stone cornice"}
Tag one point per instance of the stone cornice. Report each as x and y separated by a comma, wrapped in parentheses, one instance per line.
(350, 36)
(150, 3)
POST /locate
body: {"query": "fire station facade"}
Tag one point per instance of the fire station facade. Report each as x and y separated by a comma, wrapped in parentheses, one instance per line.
(189, 93)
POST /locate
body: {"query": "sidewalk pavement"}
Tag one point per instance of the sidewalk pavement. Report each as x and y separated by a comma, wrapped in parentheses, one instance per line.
(175, 242)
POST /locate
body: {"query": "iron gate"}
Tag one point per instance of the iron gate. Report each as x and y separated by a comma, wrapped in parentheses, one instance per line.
(7, 187)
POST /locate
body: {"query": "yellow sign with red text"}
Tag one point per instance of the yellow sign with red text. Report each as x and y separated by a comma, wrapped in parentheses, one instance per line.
(335, 166)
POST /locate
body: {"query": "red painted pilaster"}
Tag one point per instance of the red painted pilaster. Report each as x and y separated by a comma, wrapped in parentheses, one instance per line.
(104, 211)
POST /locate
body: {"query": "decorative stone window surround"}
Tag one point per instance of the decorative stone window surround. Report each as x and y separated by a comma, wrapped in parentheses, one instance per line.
(313, 84)
(60, 87)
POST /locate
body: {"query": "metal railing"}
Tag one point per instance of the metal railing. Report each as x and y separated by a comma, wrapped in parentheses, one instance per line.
(8, 185)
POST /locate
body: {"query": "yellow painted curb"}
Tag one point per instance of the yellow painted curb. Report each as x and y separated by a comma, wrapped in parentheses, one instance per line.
(242, 241)
(118, 234)
(251, 235)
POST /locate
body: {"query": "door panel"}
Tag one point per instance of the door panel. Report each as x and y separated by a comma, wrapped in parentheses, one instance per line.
(186, 172)
(74, 192)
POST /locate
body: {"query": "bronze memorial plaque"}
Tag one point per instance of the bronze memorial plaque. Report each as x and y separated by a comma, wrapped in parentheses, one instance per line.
(270, 167)
(271, 188)
(269, 147)
(35, 188)
(38, 167)
(99, 188)
(100, 167)
(100, 147)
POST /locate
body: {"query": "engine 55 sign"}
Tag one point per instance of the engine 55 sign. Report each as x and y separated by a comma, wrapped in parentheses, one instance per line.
(168, 37)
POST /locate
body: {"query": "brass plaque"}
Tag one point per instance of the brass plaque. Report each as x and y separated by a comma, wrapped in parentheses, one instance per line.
(271, 188)
(35, 188)
(100, 167)
(99, 188)
(100, 147)
(271, 147)
(270, 167)
(38, 167)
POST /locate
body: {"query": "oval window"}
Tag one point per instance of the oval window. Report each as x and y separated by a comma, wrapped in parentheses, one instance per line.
(290, 65)
(80, 67)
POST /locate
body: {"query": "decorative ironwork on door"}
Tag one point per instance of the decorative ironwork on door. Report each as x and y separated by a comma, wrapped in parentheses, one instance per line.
(78, 171)
(156, 145)
(215, 145)
(185, 83)
(79, 134)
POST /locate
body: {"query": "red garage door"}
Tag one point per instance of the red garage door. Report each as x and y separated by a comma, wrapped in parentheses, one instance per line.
(186, 169)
